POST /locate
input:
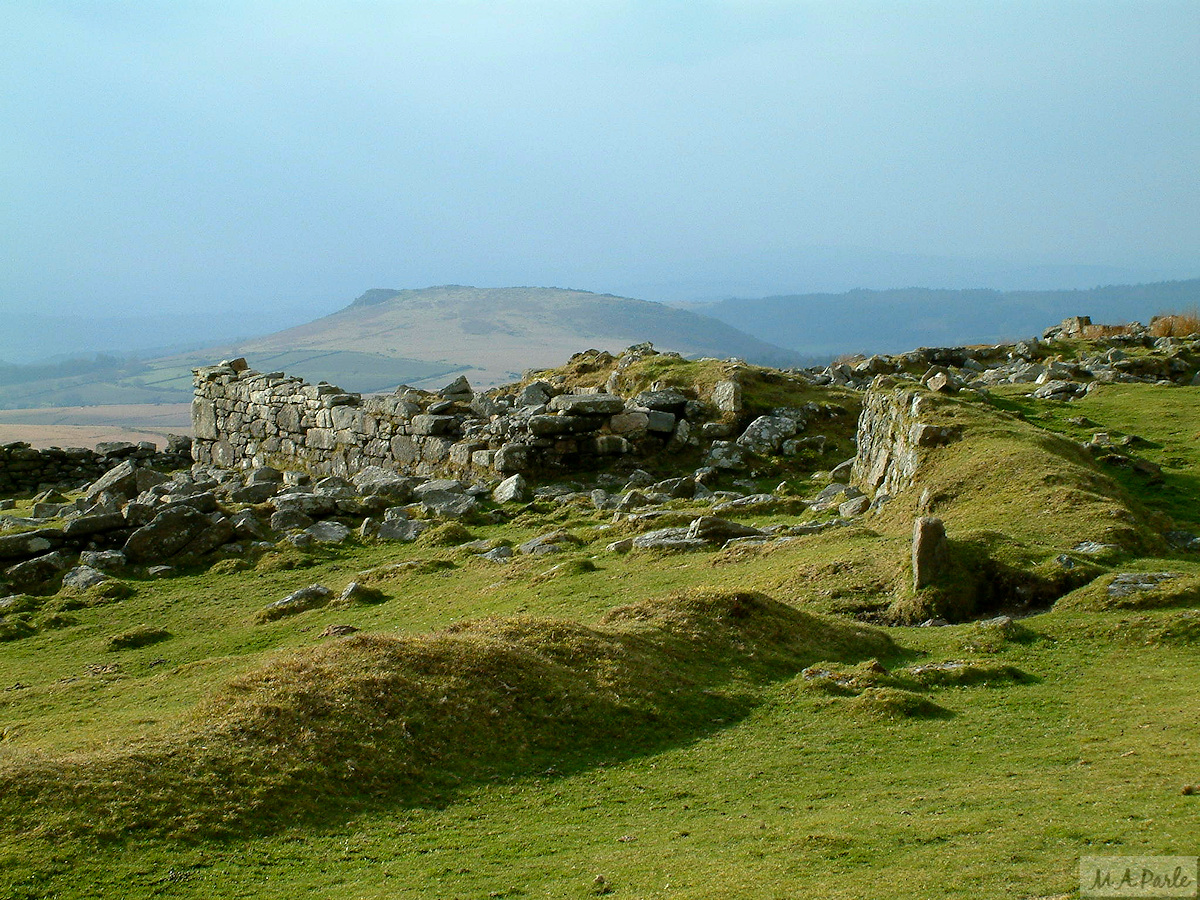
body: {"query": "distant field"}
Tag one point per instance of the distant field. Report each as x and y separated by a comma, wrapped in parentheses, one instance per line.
(86, 426)
(167, 382)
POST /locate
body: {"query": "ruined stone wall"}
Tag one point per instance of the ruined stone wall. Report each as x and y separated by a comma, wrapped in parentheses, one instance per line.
(26, 469)
(893, 431)
(244, 418)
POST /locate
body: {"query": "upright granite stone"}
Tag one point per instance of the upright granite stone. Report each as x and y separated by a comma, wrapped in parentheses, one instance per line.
(727, 397)
(930, 551)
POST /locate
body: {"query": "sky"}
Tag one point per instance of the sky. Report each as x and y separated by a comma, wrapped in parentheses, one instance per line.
(261, 159)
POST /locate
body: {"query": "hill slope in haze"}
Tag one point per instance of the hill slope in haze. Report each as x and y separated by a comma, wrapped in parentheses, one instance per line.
(496, 333)
(419, 337)
(893, 321)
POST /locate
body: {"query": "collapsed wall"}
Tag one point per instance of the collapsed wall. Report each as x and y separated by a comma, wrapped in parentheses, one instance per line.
(243, 418)
(892, 435)
(29, 469)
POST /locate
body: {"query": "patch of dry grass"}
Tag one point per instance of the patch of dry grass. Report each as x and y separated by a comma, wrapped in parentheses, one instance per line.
(1176, 324)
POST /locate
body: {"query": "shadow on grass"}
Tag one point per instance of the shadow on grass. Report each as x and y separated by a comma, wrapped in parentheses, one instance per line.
(371, 721)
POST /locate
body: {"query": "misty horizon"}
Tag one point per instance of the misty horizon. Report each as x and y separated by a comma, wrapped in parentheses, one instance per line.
(203, 159)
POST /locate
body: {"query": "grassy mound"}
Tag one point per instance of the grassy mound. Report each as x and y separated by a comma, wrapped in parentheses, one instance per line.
(1136, 590)
(1016, 501)
(896, 703)
(955, 673)
(1007, 476)
(371, 719)
(448, 534)
(142, 636)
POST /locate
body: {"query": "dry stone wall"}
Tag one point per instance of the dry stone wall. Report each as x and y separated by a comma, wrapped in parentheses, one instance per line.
(243, 418)
(26, 469)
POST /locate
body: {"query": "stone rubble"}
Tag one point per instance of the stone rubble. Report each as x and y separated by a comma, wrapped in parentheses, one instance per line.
(276, 458)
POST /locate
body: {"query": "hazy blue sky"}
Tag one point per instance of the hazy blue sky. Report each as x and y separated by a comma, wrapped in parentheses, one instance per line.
(242, 154)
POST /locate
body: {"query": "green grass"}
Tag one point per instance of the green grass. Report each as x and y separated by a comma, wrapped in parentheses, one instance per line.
(640, 717)
(797, 792)
(1164, 418)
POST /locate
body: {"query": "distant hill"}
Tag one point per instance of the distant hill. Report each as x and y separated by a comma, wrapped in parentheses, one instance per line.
(419, 337)
(425, 337)
(893, 321)
(494, 334)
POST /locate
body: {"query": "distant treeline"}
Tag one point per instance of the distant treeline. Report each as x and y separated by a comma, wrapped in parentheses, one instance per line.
(100, 367)
(897, 320)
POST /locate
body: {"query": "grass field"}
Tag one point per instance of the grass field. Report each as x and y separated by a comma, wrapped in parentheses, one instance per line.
(640, 725)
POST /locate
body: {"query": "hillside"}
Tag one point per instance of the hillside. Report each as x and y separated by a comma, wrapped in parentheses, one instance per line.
(419, 337)
(892, 321)
(494, 334)
(710, 644)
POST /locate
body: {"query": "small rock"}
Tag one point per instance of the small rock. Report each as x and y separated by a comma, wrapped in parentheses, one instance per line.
(554, 542)
(396, 529)
(336, 487)
(662, 400)
(166, 534)
(289, 519)
(534, 394)
(726, 455)
(717, 530)
(83, 577)
(458, 389)
(669, 539)
(755, 502)
(856, 506)
(841, 472)
(1095, 548)
(449, 505)
(941, 382)
(314, 505)
(246, 525)
(513, 489)
(587, 404)
(311, 597)
(360, 593)
(375, 480)
(438, 486)
(1183, 540)
(1057, 390)
(766, 434)
(264, 475)
(834, 495)
(629, 422)
(120, 480)
(36, 571)
(103, 559)
(632, 500)
(328, 532)
(639, 478)
(727, 396)
(26, 544)
(1128, 583)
